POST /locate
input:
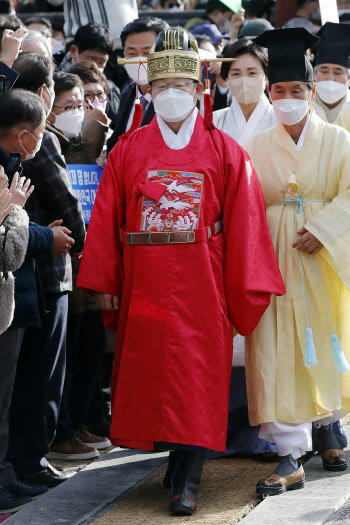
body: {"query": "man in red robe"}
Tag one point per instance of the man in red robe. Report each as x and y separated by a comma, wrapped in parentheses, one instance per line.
(178, 285)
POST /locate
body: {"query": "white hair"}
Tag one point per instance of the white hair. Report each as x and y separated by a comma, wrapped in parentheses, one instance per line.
(35, 36)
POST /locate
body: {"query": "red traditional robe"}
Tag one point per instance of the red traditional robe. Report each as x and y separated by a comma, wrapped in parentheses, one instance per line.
(178, 301)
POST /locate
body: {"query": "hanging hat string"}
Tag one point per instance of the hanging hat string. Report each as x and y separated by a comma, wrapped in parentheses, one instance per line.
(208, 107)
(137, 118)
(207, 86)
(138, 78)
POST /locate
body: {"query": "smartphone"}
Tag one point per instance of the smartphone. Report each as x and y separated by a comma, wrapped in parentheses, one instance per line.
(13, 165)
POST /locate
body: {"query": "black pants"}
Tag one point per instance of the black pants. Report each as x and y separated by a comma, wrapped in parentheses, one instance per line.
(38, 388)
(10, 344)
(85, 352)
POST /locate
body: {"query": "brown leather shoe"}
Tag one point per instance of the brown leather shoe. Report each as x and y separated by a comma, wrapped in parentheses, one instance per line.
(332, 455)
(91, 440)
(275, 484)
(72, 450)
(334, 459)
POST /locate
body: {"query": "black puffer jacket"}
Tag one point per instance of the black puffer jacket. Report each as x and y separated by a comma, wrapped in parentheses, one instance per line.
(27, 297)
(40, 241)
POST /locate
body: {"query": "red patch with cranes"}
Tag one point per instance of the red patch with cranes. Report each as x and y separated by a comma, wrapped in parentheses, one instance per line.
(178, 209)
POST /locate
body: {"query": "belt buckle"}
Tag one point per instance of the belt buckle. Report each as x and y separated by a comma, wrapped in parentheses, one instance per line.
(192, 237)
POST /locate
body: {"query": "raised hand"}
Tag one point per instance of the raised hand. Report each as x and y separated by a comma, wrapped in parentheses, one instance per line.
(3, 179)
(97, 114)
(20, 189)
(5, 205)
(11, 44)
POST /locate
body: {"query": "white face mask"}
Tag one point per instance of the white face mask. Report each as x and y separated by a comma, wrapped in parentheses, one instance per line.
(70, 122)
(52, 99)
(174, 105)
(36, 149)
(134, 73)
(226, 27)
(330, 91)
(290, 111)
(58, 45)
(97, 104)
(247, 90)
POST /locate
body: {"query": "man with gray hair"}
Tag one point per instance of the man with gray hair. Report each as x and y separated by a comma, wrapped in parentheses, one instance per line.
(37, 43)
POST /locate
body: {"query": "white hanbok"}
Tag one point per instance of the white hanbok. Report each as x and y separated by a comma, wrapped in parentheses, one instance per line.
(232, 121)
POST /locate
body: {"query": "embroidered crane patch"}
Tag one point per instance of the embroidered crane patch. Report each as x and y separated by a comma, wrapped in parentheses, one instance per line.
(180, 205)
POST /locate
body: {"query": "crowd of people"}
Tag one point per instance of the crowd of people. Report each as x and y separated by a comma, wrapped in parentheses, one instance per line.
(229, 135)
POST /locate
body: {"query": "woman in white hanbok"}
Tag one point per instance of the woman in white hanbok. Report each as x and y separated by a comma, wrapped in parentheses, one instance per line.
(249, 113)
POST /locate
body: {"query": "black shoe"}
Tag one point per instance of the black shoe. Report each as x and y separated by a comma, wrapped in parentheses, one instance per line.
(332, 455)
(9, 502)
(170, 470)
(32, 491)
(185, 481)
(49, 477)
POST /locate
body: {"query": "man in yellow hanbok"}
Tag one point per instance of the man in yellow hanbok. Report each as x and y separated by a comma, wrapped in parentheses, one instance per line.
(331, 71)
(296, 359)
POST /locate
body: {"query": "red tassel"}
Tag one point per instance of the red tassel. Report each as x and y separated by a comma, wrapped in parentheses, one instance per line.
(136, 121)
(208, 110)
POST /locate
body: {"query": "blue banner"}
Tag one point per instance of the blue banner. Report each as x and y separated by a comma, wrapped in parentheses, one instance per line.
(85, 179)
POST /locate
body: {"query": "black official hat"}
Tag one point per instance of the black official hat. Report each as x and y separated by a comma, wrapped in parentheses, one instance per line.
(335, 44)
(286, 51)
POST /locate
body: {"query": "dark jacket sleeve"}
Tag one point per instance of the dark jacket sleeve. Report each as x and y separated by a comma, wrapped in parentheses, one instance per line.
(113, 101)
(48, 172)
(221, 101)
(10, 74)
(40, 241)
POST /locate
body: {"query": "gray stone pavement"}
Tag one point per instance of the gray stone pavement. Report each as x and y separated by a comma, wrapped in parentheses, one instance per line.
(94, 490)
(325, 498)
(90, 493)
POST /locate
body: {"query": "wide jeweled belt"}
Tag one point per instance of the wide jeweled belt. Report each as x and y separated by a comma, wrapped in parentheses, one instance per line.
(171, 237)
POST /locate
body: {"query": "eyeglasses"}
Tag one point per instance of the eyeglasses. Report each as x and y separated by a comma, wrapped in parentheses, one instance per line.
(90, 97)
(179, 84)
(68, 108)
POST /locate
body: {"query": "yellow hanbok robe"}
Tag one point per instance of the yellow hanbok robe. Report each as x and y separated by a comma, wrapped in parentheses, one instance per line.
(280, 387)
(326, 114)
(343, 119)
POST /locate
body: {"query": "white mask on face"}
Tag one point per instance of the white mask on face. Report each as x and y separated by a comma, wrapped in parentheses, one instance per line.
(290, 111)
(134, 73)
(330, 91)
(35, 150)
(247, 90)
(58, 45)
(97, 104)
(101, 69)
(174, 105)
(226, 27)
(70, 122)
(52, 99)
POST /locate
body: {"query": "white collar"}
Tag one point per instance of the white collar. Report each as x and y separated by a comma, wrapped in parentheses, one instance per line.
(181, 139)
(303, 133)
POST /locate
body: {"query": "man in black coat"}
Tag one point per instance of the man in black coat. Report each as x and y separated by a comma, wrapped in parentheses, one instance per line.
(137, 39)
